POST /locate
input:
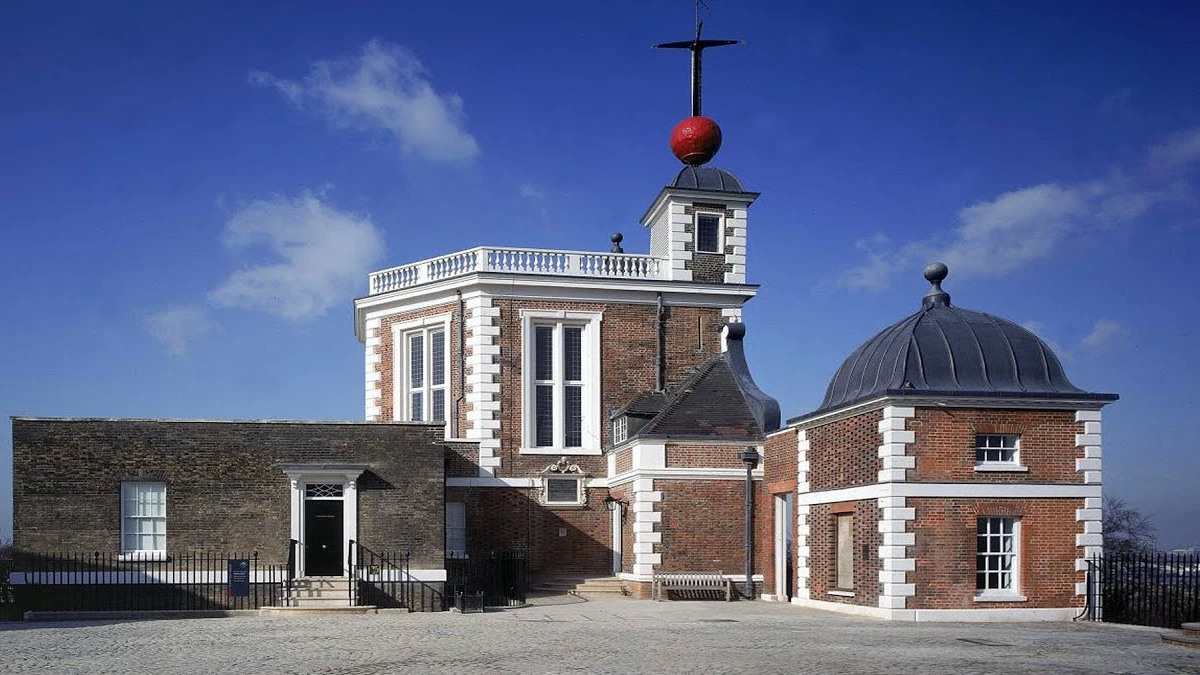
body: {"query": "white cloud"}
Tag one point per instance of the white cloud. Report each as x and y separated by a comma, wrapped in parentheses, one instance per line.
(176, 326)
(997, 236)
(1038, 328)
(321, 254)
(384, 88)
(1105, 333)
(532, 192)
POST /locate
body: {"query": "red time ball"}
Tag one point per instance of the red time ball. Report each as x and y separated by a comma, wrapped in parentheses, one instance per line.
(696, 140)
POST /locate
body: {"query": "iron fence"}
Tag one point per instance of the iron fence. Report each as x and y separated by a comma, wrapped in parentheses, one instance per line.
(8, 605)
(385, 580)
(502, 577)
(1146, 589)
(111, 582)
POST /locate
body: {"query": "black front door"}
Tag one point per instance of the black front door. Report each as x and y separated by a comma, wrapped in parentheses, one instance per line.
(323, 538)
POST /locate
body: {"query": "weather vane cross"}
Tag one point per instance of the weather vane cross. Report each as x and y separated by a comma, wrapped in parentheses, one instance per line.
(697, 46)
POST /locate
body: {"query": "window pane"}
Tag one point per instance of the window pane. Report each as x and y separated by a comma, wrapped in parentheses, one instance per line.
(845, 552)
(437, 402)
(416, 406)
(543, 353)
(573, 431)
(562, 490)
(143, 516)
(708, 236)
(416, 362)
(437, 355)
(573, 353)
(544, 415)
(456, 529)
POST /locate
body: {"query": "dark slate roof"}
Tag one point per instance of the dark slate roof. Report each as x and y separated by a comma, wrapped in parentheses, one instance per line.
(707, 178)
(645, 404)
(719, 398)
(951, 351)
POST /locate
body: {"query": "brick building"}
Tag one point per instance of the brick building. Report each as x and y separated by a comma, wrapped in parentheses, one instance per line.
(594, 412)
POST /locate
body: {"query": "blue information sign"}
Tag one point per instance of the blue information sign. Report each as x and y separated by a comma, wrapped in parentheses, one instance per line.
(239, 577)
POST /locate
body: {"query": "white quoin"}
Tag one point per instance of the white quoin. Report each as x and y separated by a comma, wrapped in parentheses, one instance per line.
(672, 221)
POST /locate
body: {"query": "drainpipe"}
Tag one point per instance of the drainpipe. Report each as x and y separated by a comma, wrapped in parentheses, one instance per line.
(750, 457)
(658, 357)
(462, 366)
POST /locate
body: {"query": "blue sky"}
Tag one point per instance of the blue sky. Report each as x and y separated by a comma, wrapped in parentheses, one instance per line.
(190, 196)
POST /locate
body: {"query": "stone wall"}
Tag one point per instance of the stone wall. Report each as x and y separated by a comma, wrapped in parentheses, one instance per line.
(226, 490)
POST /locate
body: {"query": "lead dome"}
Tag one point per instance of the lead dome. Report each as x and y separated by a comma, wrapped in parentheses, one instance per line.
(951, 351)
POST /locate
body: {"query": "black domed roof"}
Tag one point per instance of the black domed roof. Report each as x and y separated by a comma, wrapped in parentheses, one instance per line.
(951, 351)
(707, 178)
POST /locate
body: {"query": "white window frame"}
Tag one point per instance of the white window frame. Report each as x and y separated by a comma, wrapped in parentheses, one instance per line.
(1012, 592)
(456, 530)
(837, 552)
(620, 430)
(401, 396)
(720, 216)
(590, 322)
(140, 553)
(998, 465)
(580, 490)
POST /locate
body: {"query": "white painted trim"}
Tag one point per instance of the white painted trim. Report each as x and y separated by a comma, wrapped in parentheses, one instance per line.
(299, 477)
(569, 452)
(591, 322)
(682, 473)
(492, 482)
(952, 490)
(965, 615)
(949, 402)
(400, 364)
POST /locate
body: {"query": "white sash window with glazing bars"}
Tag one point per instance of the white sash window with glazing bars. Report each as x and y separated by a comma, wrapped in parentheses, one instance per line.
(143, 517)
(422, 370)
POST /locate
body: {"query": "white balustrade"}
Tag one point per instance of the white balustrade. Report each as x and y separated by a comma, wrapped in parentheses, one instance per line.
(517, 261)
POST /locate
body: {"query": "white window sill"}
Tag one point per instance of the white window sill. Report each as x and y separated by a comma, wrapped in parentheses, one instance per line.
(841, 594)
(561, 452)
(142, 556)
(564, 505)
(999, 597)
(1001, 467)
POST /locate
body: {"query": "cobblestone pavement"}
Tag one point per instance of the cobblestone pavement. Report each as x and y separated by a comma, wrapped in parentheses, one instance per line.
(614, 636)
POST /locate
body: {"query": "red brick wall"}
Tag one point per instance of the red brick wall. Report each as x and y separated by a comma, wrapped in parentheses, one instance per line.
(945, 551)
(945, 444)
(703, 525)
(845, 453)
(705, 456)
(571, 541)
(822, 562)
(462, 460)
(779, 471)
(627, 343)
(625, 494)
(624, 460)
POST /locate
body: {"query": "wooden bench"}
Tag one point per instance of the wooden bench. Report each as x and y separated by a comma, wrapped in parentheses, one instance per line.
(691, 581)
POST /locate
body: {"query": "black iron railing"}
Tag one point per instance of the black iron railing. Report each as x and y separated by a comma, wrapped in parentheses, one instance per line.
(1147, 589)
(8, 604)
(111, 582)
(502, 577)
(386, 580)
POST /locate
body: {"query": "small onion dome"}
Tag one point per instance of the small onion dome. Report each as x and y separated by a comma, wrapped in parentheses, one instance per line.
(943, 350)
(696, 140)
(707, 178)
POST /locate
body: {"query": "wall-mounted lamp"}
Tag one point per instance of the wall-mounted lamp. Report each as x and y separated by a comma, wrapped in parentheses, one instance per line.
(612, 503)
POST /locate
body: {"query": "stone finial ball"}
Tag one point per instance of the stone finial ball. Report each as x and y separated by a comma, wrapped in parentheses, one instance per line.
(936, 272)
(696, 140)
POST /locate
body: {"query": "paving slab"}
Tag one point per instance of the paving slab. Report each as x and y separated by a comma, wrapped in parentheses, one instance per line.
(605, 636)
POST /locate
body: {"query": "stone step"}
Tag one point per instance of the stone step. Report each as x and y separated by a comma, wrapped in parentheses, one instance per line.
(584, 587)
(1184, 638)
(1192, 628)
(316, 611)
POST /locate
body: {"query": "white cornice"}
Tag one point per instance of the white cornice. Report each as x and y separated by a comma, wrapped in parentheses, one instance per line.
(550, 287)
(740, 199)
(918, 401)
